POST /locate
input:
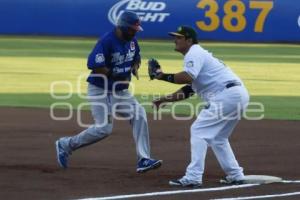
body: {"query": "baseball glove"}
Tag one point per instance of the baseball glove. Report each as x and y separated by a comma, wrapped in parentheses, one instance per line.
(153, 68)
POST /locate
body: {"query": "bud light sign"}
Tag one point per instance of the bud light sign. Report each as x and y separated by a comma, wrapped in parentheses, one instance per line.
(227, 20)
(148, 11)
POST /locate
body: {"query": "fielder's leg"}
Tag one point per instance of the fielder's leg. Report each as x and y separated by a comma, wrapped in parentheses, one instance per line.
(199, 131)
(203, 131)
(234, 100)
(225, 156)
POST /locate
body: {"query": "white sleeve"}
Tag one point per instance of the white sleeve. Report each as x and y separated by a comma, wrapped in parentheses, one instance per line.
(193, 64)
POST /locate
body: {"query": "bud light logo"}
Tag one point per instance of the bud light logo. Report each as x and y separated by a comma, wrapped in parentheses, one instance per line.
(148, 11)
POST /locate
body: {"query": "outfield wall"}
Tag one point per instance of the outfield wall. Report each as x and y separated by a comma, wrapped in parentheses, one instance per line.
(228, 20)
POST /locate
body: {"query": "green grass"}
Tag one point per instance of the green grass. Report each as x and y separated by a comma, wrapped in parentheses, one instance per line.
(29, 65)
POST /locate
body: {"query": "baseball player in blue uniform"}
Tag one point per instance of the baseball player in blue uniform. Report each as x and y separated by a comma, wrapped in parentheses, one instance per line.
(114, 58)
(226, 98)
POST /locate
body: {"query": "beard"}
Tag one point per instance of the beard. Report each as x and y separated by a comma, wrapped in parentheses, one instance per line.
(127, 34)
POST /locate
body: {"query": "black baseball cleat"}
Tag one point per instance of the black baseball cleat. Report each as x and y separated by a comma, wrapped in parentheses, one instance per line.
(183, 182)
(232, 182)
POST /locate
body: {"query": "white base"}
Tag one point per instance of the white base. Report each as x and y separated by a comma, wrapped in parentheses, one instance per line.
(262, 179)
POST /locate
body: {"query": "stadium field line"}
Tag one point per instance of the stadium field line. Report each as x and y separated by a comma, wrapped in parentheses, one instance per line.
(262, 196)
(290, 181)
(172, 192)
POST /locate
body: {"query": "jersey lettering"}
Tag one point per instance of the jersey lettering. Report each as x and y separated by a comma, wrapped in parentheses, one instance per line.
(118, 59)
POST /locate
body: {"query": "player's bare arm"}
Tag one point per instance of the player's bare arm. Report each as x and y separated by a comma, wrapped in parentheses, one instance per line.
(102, 70)
(135, 68)
(181, 94)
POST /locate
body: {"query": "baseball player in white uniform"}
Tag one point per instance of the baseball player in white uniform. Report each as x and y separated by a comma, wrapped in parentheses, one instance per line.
(226, 98)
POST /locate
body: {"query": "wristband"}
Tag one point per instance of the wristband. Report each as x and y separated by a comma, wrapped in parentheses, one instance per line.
(168, 78)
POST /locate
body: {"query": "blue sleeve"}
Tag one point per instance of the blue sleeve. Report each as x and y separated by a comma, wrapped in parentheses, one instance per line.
(99, 54)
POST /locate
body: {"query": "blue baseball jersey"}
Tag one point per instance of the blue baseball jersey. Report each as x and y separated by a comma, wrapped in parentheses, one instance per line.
(117, 55)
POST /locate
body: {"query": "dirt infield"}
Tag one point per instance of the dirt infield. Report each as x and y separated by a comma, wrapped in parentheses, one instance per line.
(28, 167)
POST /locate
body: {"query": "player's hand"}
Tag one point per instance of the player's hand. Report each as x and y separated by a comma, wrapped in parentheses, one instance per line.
(158, 103)
(135, 70)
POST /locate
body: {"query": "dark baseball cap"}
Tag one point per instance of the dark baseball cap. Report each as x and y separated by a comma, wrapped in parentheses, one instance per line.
(130, 19)
(185, 31)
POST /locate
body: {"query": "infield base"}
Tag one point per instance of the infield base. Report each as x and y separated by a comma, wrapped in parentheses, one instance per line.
(262, 179)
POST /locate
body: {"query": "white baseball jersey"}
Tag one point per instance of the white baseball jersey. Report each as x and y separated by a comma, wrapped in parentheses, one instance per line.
(210, 75)
(213, 81)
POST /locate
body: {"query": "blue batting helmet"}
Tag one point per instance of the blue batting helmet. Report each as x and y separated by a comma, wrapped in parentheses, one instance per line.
(129, 19)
